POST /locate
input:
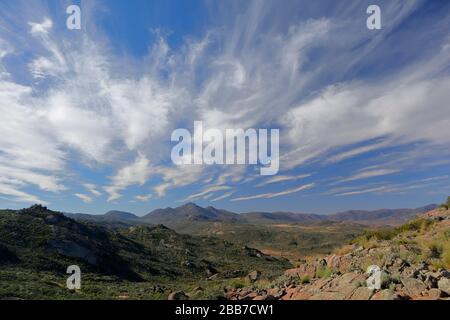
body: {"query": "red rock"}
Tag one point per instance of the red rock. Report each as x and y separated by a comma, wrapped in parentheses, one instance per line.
(362, 293)
(385, 295)
(301, 295)
(413, 287)
(302, 271)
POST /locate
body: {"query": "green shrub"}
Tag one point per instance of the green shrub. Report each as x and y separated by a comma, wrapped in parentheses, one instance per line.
(445, 205)
(324, 273)
(305, 280)
(435, 250)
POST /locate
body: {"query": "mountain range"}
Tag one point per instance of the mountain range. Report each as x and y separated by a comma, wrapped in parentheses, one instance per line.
(192, 213)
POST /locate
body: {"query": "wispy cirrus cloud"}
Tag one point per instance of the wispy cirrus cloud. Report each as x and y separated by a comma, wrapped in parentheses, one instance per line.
(283, 178)
(357, 151)
(371, 173)
(92, 188)
(205, 192)
(84, 197)
(79, 104)
(144, 197)
(436, 182)
(363, 191)
(13, 191)
(270, 195)
(222, 197)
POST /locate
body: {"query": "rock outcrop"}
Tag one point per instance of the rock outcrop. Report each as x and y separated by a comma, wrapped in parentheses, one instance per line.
(400, 267)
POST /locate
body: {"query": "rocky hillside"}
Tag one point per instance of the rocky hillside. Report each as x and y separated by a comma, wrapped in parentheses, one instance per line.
(413, 262)
(38, 243)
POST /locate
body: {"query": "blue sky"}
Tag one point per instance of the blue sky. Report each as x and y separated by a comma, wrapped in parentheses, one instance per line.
(87, 114)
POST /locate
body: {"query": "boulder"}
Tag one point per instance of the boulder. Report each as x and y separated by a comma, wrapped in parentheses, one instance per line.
(177, 295)
(254, 275)
(301, 295)
(431, 280)
(301, 271)
(445, 273)
(328, 295)
(249, 296)
(433, 294)
(210, 271)
(413, 287)
(362, 293)
(275, 292)
(385, 294)
(340, 263)
(378, 279)
(444, 285)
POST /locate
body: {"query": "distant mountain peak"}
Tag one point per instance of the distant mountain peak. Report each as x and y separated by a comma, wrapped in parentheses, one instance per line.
(120, 214)
(190, 205)
(189, 212)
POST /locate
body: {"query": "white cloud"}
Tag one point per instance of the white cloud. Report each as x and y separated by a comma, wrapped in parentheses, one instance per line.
(11, 190)
(41, 28)
(177, 176)
(350, 113)
(144, 197)
(92, 188)
(135, 173)
(84, 197)
(44, 182)
(162, 188)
